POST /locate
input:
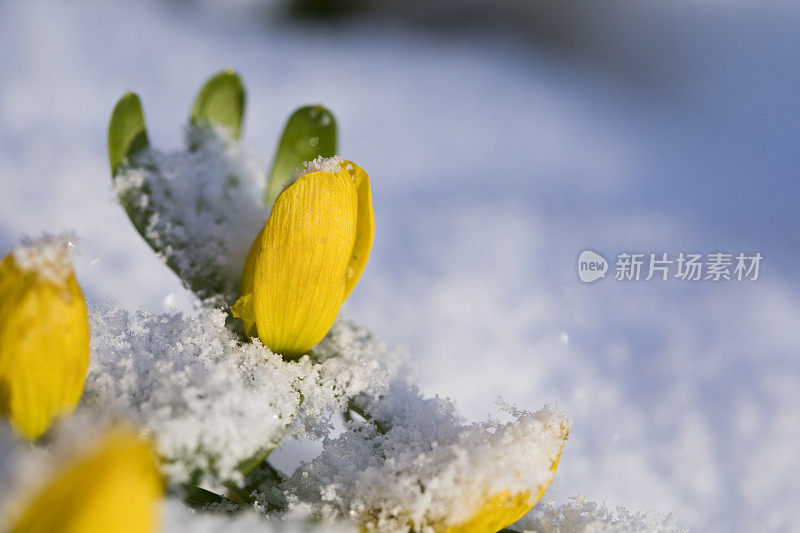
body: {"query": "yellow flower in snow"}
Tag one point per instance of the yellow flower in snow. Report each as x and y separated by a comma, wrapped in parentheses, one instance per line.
(500, 510)
(44, 336)
(484, 484)
(114, 486)
(307, 258)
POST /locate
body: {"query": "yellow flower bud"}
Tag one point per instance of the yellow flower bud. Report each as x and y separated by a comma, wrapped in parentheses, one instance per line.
(44, 336)
(307, 259)
(114, 486)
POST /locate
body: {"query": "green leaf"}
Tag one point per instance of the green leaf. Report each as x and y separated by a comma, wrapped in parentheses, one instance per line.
(220, 102)
(127, 135)
(248, 465)
(310, 132)
(126, 131)
(197, 497)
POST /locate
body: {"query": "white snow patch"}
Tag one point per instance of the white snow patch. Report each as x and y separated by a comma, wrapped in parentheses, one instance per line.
(212, 401)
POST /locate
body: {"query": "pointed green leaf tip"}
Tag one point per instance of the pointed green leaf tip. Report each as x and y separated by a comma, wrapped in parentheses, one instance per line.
(126, 131)
(220, 103)
(310, 132)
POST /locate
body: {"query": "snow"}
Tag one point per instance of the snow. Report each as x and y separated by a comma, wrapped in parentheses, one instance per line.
(211, 401)
(205, 207)
(423, 467)
(49, 257)
(176, 517)
(582, 515)
(321, 164)
(493, 163)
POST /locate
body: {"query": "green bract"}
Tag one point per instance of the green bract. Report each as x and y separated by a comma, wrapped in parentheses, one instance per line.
(145, 186)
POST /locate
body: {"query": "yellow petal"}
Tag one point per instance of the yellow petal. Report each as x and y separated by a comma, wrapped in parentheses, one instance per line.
(246, 286)
(115, 486)
(301, 265)
(365, 227)
(243, 308)
(44, 347)
(501, 510)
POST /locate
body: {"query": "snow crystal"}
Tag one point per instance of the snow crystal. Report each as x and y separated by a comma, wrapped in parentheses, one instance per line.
(49, 257)
(583, 516)
(203, 208)
(212, 401)
(419, 464)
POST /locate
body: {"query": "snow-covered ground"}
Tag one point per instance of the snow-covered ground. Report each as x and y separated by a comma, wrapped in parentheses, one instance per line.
(493, 162)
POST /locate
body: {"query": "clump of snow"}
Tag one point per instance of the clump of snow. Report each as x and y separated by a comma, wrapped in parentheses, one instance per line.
(321, 164)
(212, 401)
(349, 362)
(202, 208)
(209, 401)
(49, 257)
(581, 515)
(420, 465)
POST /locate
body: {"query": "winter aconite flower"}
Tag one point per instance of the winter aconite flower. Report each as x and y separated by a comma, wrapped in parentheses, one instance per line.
(114, 486)
(308, 257)
(501, 510)
(44, 336)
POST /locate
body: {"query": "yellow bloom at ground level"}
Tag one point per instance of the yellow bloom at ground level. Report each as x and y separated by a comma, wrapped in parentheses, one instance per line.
(501, 510)
(307, 259)
(114, 486)
(44, 337)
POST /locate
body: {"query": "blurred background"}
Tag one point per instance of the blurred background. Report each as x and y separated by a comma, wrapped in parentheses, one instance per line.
(502, 137)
